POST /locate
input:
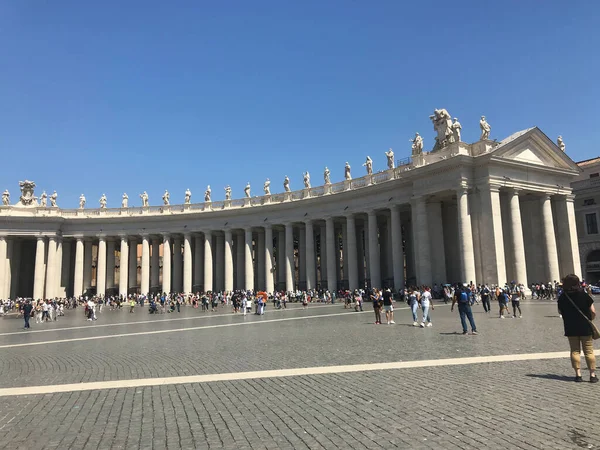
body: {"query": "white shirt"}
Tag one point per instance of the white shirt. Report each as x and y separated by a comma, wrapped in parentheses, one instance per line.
(425, 298)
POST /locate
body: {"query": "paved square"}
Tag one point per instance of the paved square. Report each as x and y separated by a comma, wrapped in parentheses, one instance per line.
(219, 380)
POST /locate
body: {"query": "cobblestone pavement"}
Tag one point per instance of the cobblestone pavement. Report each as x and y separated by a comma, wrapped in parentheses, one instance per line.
(517, 404)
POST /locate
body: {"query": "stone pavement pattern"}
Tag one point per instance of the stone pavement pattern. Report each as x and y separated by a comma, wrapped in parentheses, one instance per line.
(528, 404)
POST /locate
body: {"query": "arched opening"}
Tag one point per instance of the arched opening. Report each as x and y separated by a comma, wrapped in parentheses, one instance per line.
(592, 267)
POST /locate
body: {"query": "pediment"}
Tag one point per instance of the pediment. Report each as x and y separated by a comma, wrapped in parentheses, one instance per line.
(533, 147)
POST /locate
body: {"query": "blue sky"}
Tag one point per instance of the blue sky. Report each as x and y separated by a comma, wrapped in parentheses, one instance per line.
(112, 97)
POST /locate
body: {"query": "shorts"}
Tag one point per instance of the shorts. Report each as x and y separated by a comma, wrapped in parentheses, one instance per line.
(388, 308)
(516, 303)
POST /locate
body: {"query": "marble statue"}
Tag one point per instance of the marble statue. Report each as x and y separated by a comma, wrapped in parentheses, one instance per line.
(44, 199)
(485, 129)
(369, 165)
(125, 201)
(227, 192)
(188, 197)
(6, 198)
(53, 198)
(417, 145)
(286, 184)
(81, 201)
(306, 180)
(207, 194)
(267, 187)
(442, 124)
(144, 197)
(560, 143)
(347, 174)
(327, 176)
(103, 201)
(456, 127)
(27, 198)
(390, 159)
(247, 190)
(166, 198)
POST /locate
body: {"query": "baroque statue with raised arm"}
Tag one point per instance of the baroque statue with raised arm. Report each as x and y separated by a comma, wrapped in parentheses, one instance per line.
(188, 197)
(560, 143)
(347, 174)
(166, 198)
(369, 165)
(485, 129)
(44, 199)
(247, 190)
(103, 201)
(125, 201)
(286, 184)
(327, 176)
(442, 124)
(417, 145)
(53, 198)
(144, 197)
(207, 194)
(81, 201)
(456, 127)
(390, 159)
(227, 192)
(267, 187)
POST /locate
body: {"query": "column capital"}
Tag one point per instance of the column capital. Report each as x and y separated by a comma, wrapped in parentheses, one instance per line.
(207, 233)
(493, 187)
(514, 190)
(124, 237)
(546, 196)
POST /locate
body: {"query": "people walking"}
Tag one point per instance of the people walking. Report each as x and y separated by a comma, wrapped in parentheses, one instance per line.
(413, 302)
(426, 304)
(376, 298)
(388, 306)
(27, 310)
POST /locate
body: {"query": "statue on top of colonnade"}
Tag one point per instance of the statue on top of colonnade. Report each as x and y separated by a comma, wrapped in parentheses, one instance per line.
(227, 192)
(247, 190)
(27, 198)
(347, 173)
(53, 198)
(207, 194)
(286, 184)
(327, 176)
(306, 180)
(442, 124)
(369, 165)
(560, 143)
(125, 200)
(103, 201)
(485, 129)
(81, 201)
(44, 199)
(267, 187)
(166, 198)
(144, 197)
(6, 198)
(390, 159)
(417, 145)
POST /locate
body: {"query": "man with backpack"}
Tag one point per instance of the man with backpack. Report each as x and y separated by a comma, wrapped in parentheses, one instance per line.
(461, 297)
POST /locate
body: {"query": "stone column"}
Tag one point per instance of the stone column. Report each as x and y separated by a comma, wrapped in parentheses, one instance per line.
(248, 263)
(155, 263)
(4, 289)
(239, 255)
(518, 245)
(323, 245)
(553, 271)
(39, 275)
(573, 235)
(13, 266)
(123, 267)
(87, 264)
(58, 292)
(567, 232)
(51, 268)
(78, 275)
(280, 260)
(302, 257)
(374, 254)
(198, 259)
(332, 259)
(311, 276)
(289, 257)
(166, 272)
(397, 252)
(269, 282)
(101, 267)
(177, 265)
(219, 266)
(208, 262)
(351, 264)
(360, 254)
(436, 234)
(132, 277)
(228, 260)
(494, 262)
(145, 286)
(260, 260)
(187, 263)
(465, 236)
(110, 263)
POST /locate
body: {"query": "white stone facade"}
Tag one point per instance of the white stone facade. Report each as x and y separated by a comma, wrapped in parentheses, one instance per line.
(485, 212)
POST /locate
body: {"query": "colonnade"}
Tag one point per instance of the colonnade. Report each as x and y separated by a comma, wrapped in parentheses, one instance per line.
(470, 234)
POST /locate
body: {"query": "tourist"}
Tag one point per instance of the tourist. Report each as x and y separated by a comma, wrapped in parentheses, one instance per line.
(485, 298)
(388, 306)
(358, 301)
(461, 296)
(502, 297)
(413, 302)
(516, 301)
(426, 303)
(578, 312)
(376, 298)
(27, 309)
(132, 305)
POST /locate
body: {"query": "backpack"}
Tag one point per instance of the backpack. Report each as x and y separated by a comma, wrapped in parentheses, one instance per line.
(464, 298)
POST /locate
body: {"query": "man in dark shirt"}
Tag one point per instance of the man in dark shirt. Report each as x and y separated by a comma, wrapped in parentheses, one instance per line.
(27, 309)
(388, 306)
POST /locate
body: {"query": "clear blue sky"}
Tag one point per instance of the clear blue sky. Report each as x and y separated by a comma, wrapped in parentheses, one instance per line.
(125, 96)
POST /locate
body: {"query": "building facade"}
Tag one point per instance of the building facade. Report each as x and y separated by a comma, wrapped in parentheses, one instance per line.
(488, 212)
(586, 188)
